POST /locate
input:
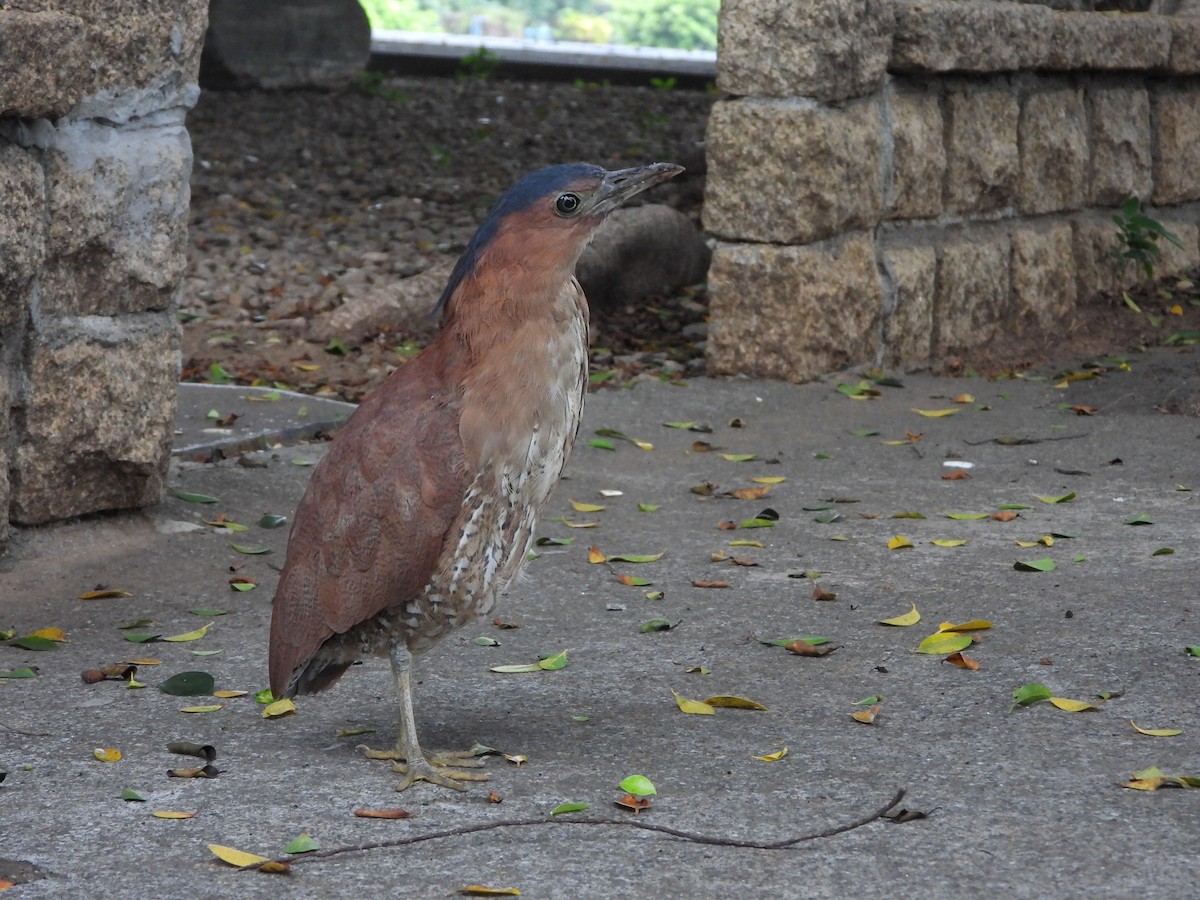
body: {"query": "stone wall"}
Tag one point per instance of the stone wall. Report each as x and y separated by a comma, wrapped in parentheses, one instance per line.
(895, 181)
(94, 167)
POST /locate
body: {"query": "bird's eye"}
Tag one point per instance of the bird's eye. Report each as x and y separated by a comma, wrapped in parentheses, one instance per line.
(567, 204)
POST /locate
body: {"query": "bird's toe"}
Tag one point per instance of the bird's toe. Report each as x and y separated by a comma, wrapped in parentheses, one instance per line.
(445, 776)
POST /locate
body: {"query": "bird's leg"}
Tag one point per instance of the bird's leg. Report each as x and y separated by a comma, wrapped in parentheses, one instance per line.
(444, 768)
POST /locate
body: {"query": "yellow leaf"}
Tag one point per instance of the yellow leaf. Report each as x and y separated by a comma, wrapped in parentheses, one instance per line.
(229, 695)
(769, 479)
(238, 858)
(1073, 705)
(190, 635)
(595, 556)
(936, 413)
(942, 644)
(1146, 784)
(278, 709)
(964, 398)
(641, 445)
(973, 625)
(773, 757)
(693, 707)
(899, 542)
(585, 507)
(1026, 543)
(479, 890)
(171, 814)
(50, 634)
(1176, 310)
(571, 524)
(1156, 732)
(308, 367)
(745, 543)
(895, 443)
(107, 754)
(213, 707)
(144, 662)
(104, 594)
(866, 716)
(948, 542)
(734, 702)
(912, 617)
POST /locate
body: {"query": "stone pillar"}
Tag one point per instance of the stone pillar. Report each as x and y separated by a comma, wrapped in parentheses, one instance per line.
(94, 167)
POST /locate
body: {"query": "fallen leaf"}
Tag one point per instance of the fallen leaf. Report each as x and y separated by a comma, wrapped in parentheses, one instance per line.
(383, 813)
(973, 625)
(585, 507)
(107, 754)
(302, 843)
(963, 662)
(568, 808)
(866, 716)
(595, 556)
(1068, 705)
(1065, 498)
(1029, 693)
(1004, 515)
(638, 785)
(633, 557)
(936, 413)
(171, 814)
(731, 702)
(189, 635)
(658, 625)
(631, 802)
(202, 709)
(278, 709)
(966, 516)
(912, 617)
(700, 583)
(1045, 564)
(751, 493)
(957, 475)
(691, 707)
(237, 858)
(899, 542)
(769, 479)
(132, 796)
(942, 644)
(188, 684)
(1156, 732)
(104, 594)
(773, 757)
(807, 648)
(739, 457)
(964, 398)
(948, 542)
(1084, 410)
(820, 594)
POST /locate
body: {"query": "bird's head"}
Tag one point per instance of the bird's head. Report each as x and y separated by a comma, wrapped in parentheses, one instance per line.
(544, 221)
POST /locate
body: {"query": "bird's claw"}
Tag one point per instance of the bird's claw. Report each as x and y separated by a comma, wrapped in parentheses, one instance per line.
(458, 759)
(425, 770)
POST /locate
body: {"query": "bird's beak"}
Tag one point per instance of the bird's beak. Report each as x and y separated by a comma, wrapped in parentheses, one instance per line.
(619, 186)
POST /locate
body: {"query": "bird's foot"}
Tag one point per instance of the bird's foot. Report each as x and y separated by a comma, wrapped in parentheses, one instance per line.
(442, 767)
(445, 769)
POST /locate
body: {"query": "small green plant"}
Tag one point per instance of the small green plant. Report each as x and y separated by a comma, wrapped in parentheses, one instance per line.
(1137, 237)
(481, 64)
(375, 84)
(664, 84)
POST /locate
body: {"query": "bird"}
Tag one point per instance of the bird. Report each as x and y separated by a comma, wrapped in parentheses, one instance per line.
(422, 510)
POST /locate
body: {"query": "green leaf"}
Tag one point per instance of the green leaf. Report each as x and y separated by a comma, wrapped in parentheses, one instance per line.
(301, 461)
(1065, 498)
(638, 785)
(270, 520)
(815, 640)
(1014, 506)
(864, 432)
(909, 515)
(1045, 564)
(205, 652)
(139, 638)
(209, 613)
(33, 642)
(302, 843)
(635, 581)
(264, 697)
(250, 550)
(554, 541)
(131, 794)
(516, 669)
(1192, 651)
(683, 425)
(140, 623)
(647, 507)
(943, 643)
(23, 672)
(739, 457)
(1029, 693)
(602, 444)
(484, 641)
(1163, 551)
(966, 517)
(657, 625)
(568, 808)
(1139, 520)
(552, 663)
(188, 684)
(756, 522)
(242, 586)
(189, 497)
(337, 347)
(217, 375)
(637, 557)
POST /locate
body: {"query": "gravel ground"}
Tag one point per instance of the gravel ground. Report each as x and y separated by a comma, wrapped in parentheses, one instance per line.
(304, 200)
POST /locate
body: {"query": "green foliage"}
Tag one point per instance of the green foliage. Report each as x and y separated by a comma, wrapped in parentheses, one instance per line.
(481, 64)
(402, 15)
(1138, 235)
(679, 24)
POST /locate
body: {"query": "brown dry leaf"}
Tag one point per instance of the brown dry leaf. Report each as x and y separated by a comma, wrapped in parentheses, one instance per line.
(635, 803)
(500, 623)
(1004, 515)
(963, 662)
(701, 583)
(493, 797)
(1085, 410)
(595, 556)
(958, 475)
(731, 702)
(751, 493)
(727, 525)
(804, 648)
(819, 593)
(383, 813)
(701, 447)
(913, 436)
(104, 594)
(866, 716)
(743, 561)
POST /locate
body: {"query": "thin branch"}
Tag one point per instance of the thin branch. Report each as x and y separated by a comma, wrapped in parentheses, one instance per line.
(16, 730)
(689, 836)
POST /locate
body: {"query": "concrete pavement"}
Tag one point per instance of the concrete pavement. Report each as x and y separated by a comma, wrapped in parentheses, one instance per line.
(1022, 805)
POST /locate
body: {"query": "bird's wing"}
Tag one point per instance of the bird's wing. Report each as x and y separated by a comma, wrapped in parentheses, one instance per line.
(368, 533)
